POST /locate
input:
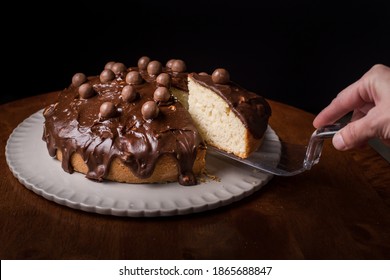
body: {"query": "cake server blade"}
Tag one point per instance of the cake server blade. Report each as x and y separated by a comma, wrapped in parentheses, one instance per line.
(294, 158)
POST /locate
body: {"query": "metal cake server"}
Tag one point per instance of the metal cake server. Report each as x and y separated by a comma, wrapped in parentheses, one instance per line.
(294, 158)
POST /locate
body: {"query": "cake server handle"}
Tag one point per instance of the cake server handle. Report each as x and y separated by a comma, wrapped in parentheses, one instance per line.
(314, 149)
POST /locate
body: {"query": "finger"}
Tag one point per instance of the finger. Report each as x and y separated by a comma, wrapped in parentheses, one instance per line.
(346, 101)
(366, 107)
(357, 95)
(355, 134)
(361, 94)
(357, 114)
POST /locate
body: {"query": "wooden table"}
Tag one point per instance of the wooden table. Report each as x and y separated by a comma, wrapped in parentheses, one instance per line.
(338, 210)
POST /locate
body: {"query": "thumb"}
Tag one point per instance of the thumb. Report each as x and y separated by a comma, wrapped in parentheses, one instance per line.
(354, 135)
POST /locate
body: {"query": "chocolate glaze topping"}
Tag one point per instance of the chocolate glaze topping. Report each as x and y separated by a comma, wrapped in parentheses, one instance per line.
(253, 110)
(109, 124)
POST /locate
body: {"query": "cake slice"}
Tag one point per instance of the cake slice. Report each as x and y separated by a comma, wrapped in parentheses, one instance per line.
(227, 116)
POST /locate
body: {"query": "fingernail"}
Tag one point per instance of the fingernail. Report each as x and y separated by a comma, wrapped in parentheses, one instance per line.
(338, 142)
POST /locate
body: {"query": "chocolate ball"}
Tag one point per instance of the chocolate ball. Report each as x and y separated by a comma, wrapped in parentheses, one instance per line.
(178, 65)
(143, 62)
(86, 91)
(203, 74)
(161, 94)
(109, 65)
(118, 67)
(133, 78)
(241, 99)
(163, 80)
(169, 63)
(220, 76)
(107, 110)
(150, 110)
(78, 79)
(154, 67)
(107, 75)
(128, 93)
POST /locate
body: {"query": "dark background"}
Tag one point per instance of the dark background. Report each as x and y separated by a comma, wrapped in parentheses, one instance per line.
(298, 52)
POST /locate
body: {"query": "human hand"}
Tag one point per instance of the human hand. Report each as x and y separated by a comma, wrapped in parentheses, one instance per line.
(369, 99)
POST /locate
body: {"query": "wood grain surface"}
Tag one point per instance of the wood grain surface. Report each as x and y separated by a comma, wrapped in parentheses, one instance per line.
(338, 210)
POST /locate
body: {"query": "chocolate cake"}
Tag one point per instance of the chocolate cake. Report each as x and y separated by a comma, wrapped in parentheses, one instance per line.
(141, 125)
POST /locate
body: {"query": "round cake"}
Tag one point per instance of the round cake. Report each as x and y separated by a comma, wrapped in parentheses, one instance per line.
(146, 124)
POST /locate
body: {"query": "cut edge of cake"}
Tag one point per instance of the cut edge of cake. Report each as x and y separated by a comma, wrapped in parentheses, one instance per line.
(218, 123)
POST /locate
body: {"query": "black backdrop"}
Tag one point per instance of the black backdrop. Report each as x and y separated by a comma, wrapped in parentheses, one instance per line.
(298, 52)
